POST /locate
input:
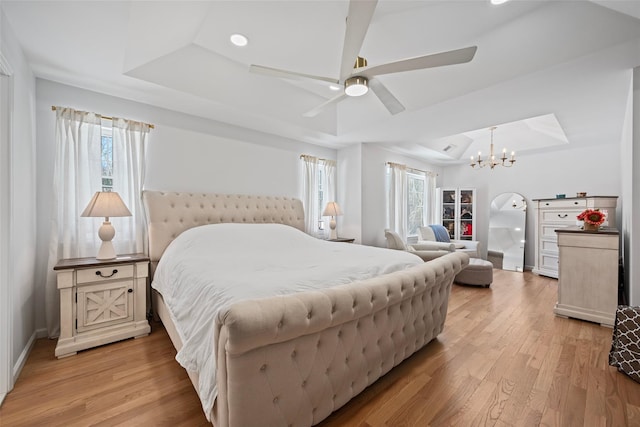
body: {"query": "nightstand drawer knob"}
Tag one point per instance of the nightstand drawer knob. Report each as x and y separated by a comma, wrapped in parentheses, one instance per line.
(130, 291)
(99, 273)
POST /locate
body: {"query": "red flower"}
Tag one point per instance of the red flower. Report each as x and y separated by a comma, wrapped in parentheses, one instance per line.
(592, 216)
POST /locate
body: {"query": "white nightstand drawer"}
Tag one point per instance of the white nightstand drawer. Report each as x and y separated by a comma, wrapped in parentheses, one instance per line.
(100, 274)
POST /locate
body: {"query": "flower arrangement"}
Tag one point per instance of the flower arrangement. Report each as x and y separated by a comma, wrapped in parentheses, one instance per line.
(592, 216)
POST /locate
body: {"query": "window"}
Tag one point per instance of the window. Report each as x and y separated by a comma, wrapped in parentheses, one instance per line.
(319, 188)
(107, 158)
(415, 202)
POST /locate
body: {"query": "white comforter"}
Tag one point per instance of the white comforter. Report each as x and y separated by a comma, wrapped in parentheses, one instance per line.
(207, 268)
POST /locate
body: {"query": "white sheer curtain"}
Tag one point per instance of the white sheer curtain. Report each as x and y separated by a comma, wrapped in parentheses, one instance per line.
(397, 199)
(129, 148)
(432, 216)
(77, 176)
(318, 174)
(310, 193)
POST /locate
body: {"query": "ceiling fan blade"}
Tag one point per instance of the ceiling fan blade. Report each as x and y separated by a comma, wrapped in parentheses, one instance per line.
(391, 102)
(317, 110)
(275, 72)
(358, 20)
(451, 57)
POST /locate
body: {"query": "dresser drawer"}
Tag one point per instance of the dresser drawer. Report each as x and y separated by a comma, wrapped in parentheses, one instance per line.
(101, 274)
(561, 215)
(548, 231)
(549, 262)
(563, 203)
(549, 246)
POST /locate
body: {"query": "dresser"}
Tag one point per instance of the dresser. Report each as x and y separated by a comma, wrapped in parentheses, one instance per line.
(588, 274)
(554, 214)
(101, 301)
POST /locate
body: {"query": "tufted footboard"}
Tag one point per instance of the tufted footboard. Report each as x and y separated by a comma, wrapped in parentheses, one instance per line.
(293, 360)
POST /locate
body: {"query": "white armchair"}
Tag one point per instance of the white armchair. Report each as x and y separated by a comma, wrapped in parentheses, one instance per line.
(427, 236)
(426, 252)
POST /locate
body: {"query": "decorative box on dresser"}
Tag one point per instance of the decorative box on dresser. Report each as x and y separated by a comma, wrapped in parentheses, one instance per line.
(101, 301)
(588, 275)
(554, 214)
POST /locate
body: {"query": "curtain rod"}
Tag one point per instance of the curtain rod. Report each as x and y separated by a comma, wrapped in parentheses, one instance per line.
(411, 169)
(302, 156)
(54, 108)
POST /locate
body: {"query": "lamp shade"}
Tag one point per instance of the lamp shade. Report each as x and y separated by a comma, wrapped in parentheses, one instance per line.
(332, 209)
(106, 204)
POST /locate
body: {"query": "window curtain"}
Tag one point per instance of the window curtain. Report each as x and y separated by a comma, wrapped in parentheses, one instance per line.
(397, 199)
(129, 148)
(310, 193)
(77, 176)
(313, 180)
(432, 216)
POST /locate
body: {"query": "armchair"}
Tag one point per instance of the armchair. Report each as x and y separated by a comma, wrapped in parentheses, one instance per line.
(427, 252)
(431, 234)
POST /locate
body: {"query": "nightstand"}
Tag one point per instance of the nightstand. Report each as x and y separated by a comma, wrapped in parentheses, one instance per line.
(342, 239)
(101, 301)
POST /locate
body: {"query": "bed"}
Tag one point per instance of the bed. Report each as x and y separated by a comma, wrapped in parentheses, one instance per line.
(289, 359)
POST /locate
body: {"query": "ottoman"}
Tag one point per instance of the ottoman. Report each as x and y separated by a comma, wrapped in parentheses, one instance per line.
(479, 272)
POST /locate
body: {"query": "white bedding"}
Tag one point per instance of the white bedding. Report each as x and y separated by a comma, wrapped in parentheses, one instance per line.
(207, 268)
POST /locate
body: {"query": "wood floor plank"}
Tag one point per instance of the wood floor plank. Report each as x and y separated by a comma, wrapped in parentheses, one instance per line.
(503, 359)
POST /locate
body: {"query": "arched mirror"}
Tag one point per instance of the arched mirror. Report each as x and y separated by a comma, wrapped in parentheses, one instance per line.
(507, 219)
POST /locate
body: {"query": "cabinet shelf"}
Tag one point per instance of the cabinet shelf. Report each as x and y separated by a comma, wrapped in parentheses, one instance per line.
(457, 206)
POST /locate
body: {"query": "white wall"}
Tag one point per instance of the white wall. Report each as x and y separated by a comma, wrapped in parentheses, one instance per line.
(21, 198)
(185, 153)
(374, 192)
(595, 169)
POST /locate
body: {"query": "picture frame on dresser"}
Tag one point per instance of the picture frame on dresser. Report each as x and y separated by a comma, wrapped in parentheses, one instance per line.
(552, 214)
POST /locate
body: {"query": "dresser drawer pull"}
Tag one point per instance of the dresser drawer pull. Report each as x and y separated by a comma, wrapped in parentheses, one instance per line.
(130, 291)
(563, 216)
(99, 273)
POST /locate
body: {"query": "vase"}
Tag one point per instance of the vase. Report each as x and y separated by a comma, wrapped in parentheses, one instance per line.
(590, 227)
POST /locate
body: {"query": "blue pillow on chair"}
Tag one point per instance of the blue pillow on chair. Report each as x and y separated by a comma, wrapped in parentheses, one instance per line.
(441, 233)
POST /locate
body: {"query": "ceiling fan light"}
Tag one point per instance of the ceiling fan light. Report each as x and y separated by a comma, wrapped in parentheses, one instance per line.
(356, 86)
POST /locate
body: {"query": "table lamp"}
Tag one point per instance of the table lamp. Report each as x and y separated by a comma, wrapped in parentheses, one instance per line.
(332, 210)
(106, 204)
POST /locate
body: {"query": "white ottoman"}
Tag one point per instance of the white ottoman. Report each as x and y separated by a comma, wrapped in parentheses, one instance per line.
(479, 273)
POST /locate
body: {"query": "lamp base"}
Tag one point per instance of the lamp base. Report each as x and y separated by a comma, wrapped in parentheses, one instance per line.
(106, 233)
(106, 251)
(334, 232)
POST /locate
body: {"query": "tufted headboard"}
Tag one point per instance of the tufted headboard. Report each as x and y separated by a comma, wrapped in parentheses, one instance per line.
(169, 214)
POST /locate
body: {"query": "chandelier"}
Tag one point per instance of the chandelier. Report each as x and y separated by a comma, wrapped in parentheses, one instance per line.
(491, 160)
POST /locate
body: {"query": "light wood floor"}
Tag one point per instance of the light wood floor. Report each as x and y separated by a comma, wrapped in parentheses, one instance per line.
(503, 359)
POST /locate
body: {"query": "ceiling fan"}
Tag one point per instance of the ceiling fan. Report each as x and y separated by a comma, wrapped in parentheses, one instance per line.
(357, 79)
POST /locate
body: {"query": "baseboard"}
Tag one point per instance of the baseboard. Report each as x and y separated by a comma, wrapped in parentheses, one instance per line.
(17, 368)
(2, 396)
(42, 333)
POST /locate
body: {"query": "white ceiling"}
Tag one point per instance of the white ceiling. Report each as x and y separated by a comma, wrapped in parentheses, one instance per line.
(562, 64)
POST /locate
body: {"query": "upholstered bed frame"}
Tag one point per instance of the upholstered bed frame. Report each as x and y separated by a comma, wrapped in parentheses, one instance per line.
(293, 360)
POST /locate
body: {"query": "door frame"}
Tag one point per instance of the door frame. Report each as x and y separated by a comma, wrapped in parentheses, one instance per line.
(6, 297)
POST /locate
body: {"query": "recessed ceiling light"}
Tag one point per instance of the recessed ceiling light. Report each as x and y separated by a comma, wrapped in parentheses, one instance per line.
(496, 2)
(239, 39)
(334, 87)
